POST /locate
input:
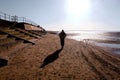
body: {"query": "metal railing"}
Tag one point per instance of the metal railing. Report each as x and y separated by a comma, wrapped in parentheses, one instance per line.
(15, 18)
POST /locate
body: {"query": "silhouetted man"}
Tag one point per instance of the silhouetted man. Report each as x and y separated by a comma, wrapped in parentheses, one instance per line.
(62, 36)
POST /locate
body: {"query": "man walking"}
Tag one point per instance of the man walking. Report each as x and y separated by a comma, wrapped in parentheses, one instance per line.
(62, 36)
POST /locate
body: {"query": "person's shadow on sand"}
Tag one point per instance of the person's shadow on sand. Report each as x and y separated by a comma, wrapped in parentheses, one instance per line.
(50, 58)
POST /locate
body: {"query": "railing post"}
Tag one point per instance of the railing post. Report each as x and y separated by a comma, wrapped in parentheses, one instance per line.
(4, 16)
(23, 19)
(9, 18)
(15, 18)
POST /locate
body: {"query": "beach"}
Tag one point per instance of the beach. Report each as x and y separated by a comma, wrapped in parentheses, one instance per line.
(78, 60)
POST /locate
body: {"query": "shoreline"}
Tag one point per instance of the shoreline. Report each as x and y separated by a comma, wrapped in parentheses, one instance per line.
(77, 60)
(101, 42)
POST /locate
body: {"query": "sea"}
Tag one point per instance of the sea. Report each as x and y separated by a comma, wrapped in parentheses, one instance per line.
(108, 39)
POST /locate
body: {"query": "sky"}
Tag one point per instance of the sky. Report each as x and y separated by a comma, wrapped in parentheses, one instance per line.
(67, 14)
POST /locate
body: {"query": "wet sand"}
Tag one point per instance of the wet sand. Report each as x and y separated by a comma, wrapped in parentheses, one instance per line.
(77, 61)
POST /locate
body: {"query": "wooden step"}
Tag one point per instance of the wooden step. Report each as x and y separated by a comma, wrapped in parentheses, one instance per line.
(34, 33)
(12, 32)
(21, 35)
(18, 34)
(17, 37)
(3, 36)
(13, 50)
(9, 45)
(6, 41)
(24, 36)
(26, 32)
(7, 29)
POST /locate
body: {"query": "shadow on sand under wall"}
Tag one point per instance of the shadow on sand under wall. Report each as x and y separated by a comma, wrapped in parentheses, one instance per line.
(3, 62)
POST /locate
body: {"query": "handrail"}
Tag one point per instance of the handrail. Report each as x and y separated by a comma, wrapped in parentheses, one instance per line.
(15, 18)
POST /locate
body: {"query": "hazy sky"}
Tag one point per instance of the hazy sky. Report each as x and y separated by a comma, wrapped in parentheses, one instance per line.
(67, 14)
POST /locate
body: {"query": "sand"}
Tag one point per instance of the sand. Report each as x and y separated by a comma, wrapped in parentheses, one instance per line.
(77, 61)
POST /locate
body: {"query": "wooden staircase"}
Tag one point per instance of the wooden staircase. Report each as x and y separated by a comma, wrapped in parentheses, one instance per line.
(14, 39)
(7, 42)
(33, 32)
(17, 35)
(27, 32)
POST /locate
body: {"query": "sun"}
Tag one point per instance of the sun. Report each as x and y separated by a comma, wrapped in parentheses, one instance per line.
(77, 7)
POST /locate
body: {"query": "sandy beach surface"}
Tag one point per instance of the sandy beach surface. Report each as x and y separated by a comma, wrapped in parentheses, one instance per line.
(77, 61)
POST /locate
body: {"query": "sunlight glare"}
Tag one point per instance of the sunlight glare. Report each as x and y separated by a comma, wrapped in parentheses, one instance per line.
(77, 7)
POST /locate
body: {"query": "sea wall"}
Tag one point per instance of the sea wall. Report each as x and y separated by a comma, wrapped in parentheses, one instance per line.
(31, 27)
